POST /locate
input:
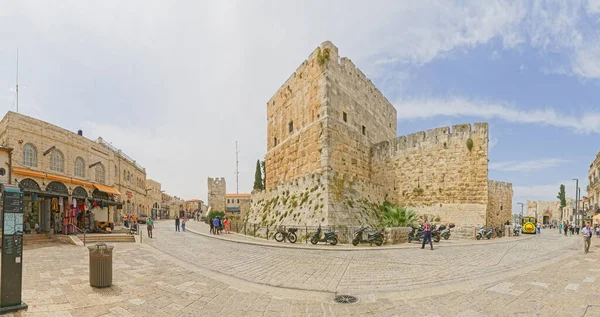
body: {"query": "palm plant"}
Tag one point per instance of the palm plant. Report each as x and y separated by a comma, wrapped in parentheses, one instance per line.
(397, 216)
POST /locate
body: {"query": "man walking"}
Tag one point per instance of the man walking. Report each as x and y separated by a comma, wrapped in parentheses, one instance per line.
(177, 223)
(426, 234)
(587, 237)
(150, 226)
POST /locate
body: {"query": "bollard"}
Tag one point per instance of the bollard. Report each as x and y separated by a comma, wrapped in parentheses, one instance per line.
(305, 234)
(245, 229)
(255, 230)
(267, 232)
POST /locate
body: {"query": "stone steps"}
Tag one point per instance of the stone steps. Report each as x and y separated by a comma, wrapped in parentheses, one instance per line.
(95, 238)
(33, 239)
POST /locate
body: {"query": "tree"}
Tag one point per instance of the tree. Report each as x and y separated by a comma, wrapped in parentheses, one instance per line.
(397, 216)
(258, 182)
(264, 174)
(562, 197)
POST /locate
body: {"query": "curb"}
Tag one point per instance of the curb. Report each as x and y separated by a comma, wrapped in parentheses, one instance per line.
(334, 248)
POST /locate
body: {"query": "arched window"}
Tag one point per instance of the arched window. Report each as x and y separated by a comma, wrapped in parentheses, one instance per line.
(57, 161)
(79, 167)
(29, 155)
(100, 174)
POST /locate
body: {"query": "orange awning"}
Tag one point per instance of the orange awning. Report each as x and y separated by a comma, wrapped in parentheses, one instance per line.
(58, 178)
(107, 189)
(26, 172)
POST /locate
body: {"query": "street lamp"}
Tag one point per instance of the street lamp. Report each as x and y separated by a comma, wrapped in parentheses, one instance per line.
(521, 211)
(576, 198)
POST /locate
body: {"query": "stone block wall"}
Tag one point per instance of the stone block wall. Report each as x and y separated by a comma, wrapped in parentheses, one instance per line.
(499, 209)
(435, 172)
(397, 235)
(217, 190)
(293, 152)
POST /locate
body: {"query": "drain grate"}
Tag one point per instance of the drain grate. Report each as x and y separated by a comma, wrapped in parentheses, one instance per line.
(345, 299)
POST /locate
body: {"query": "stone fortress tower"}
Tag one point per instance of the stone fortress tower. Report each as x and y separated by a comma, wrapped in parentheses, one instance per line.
(333, 156)
(216, 193)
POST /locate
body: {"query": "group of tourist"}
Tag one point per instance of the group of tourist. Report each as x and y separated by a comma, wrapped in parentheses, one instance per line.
(217, 225)
(181, 221)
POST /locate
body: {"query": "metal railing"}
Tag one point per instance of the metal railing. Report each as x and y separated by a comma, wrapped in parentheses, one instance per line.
(345, 233)
(76, 229)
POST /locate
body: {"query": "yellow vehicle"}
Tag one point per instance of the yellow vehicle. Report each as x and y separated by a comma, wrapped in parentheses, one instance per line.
(528, 225)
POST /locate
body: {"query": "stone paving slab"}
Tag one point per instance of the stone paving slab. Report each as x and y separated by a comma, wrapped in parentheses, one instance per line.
(203, 229)
(151, 281)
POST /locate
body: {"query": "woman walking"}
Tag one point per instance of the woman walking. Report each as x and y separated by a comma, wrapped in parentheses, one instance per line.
(226, 223)
(183, 224)
(212, 225)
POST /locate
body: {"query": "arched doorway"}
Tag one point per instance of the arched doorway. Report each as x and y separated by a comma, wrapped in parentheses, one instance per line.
(547, 217)
(155, 208)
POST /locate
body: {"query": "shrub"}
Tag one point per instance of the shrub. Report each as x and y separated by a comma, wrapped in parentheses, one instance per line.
(469, 144)
(213, 215)
(397, 216)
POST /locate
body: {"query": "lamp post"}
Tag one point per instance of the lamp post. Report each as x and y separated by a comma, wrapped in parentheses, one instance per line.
(521, 211)
(576, 198)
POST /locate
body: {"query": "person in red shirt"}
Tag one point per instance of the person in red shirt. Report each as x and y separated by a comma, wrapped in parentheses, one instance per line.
(426, 234)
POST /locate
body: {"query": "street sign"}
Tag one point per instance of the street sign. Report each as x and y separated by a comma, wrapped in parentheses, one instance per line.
(11, 273)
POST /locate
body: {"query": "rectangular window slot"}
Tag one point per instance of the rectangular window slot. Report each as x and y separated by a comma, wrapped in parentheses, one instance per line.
(291, 126)
(364, 130)
(345, 116)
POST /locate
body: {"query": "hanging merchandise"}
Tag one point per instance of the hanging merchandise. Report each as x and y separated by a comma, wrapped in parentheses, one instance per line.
(74, 204)
(54, 204)
(95, 203)
(60, 201)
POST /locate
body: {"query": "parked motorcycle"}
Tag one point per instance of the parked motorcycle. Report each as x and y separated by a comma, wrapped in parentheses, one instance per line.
(290, 234)
(516, 231)
(330, 237)
(417, 234)
(445, 231)
(373, 237)
(484, 233)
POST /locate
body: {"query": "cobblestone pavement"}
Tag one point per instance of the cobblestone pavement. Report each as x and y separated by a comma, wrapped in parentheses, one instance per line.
(359, 271)
(182, 274)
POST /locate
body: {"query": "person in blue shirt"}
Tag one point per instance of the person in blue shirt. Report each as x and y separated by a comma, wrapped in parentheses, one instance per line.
(217, 224)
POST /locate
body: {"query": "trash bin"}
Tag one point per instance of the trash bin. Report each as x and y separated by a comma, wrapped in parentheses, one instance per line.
(100, 265)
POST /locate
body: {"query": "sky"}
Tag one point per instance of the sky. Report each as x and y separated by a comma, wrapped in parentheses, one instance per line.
(174, 84)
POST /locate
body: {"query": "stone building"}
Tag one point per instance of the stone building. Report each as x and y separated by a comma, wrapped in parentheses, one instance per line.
(53, 164)
(154, 197)
(216, 193)
(593, 188)
(237, 205)
(333, 156)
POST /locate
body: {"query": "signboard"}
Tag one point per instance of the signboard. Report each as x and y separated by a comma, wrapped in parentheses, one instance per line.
(11, 273)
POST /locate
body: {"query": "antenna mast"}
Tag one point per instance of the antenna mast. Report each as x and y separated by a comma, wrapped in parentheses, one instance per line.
(17, 80)
(237, 171)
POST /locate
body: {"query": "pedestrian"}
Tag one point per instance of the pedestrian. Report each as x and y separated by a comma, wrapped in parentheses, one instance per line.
(226, 223)
(216, 223)
(598, 231)
(126, 221)
(183, 224)
(150, 226)
(572, 229)
(539, 228)
(560, 228)
(212, 225)
(426, 234)
(587, 237)
(566, 229)
(36, 227)
(177, 223)
(134, 219)
(577, 229)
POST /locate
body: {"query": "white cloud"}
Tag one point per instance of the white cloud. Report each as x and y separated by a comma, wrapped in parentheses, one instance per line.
(433, 107)
(547, 191)
(526, 166)
(492, 144)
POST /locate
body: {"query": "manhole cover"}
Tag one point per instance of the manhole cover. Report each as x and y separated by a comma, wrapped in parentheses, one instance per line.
(345, 299)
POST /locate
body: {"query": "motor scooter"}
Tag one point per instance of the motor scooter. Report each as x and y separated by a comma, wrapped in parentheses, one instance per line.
(446, 231)
(417, 234)
(330, 237)
(484, 233)
(373, 237)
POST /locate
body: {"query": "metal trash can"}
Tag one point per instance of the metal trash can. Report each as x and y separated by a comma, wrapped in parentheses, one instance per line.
(100, 265)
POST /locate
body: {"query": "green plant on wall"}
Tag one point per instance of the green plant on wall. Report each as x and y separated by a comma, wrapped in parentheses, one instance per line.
(418, 190)
(396, 216)
(323, 56)
(469, 144)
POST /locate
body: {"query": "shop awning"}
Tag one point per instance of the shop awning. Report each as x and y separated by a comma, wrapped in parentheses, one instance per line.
(26, 172)
(107, 189)
(596, 217)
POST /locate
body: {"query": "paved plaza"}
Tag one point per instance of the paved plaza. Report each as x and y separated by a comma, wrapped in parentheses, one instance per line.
(186, 274)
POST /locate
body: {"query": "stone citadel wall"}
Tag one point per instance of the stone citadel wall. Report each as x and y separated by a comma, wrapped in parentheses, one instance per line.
(499, 209)
(217, 190)
(435, 172)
